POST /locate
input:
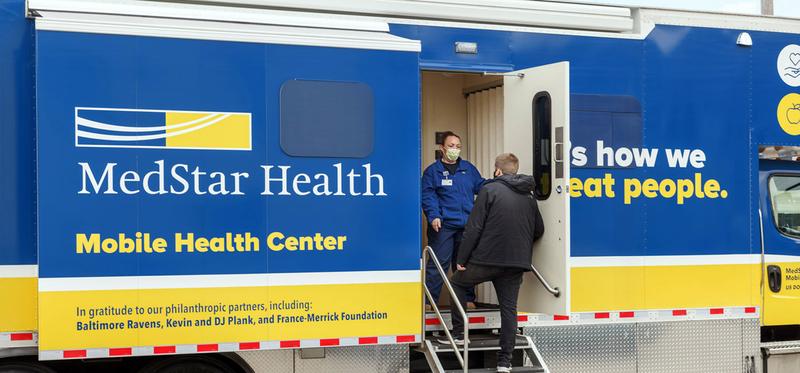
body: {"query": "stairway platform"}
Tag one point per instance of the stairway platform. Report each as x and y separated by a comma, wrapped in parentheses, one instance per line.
(492, 370)
(486, 316)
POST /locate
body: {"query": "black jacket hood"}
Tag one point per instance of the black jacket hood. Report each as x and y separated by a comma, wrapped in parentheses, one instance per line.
(519, 183)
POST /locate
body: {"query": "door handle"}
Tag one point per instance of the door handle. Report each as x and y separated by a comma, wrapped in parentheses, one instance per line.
(558, 154)
(774, 278)
(559, 150)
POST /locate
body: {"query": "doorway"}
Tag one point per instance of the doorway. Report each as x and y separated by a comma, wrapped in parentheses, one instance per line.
(525, 112)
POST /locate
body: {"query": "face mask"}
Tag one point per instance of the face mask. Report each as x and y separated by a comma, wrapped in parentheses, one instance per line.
(452, 154)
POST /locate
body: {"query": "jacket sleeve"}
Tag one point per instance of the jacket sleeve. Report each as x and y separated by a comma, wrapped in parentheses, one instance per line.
(474, 227)
(538, 224)
(477, 180)
(430, 202)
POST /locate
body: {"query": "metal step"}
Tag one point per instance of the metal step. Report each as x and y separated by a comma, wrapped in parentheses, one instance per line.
(782, 347)
(492, 370)
(480, 342)
(486, 316)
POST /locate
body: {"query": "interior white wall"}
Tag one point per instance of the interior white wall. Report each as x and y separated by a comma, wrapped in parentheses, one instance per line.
(443, 109)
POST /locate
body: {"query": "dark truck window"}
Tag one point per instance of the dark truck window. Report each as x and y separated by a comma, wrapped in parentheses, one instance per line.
(541, 144)
(326, 119)
(784, 193)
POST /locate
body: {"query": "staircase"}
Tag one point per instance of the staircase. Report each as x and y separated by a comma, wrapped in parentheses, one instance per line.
(478, 342)
(435, 351)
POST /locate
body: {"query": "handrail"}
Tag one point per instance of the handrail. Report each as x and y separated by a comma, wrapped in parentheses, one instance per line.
(463, 360)
(555, 291)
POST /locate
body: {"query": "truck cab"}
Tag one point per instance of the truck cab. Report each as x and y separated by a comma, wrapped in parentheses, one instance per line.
(779, 181)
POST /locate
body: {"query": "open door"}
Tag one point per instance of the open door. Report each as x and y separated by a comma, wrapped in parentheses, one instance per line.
(536, 129)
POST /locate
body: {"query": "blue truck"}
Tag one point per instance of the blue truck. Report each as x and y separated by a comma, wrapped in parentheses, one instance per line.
(234, 185)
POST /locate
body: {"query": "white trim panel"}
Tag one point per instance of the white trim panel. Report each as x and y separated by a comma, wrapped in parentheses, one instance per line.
(222, 281)
(161, 9)
(19, 271)
(664, 260)
(651, 17)
(510, 12)
(515, 28)
(678, 260)
(774, 258)
(206, 30)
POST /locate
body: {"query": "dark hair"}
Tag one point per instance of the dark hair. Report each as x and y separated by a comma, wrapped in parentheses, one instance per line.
(447, 134)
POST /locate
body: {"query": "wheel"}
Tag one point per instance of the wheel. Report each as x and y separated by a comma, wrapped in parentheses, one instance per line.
(24, 367)
(190, 364)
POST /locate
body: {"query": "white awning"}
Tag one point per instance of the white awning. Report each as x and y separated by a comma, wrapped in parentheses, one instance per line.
(530, 13)
(186, 21)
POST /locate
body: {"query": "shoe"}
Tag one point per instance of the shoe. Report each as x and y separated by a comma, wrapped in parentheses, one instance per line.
(459, 340)
(428, 308)
(471, 306)
(503, 369)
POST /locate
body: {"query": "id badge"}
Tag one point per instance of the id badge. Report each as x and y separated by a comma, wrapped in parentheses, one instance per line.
(447, 182)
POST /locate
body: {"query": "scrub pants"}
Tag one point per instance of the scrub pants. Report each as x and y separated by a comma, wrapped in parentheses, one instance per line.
(445, 245)
(506, 283)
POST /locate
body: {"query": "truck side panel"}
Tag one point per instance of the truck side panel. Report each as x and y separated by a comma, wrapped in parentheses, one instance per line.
(328, 248)
(17, 165)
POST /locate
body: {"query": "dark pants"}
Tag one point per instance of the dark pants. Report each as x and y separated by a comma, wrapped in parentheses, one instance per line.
(445, 245)
(506, 283)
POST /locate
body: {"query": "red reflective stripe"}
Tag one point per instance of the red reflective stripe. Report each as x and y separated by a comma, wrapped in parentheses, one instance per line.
(627, 314)
(290, 344)
(329, 342)
(750, 310)
(432, 322)
(477, 320)
(716, 311)
(127, 351)
(678, 312)
(560, 317)
(249, 345)
(208, 348)
(164, 349)
(522, 318)
(368, 340)
(22, 336)
(406, 338)
(601, 315)
(71, 354)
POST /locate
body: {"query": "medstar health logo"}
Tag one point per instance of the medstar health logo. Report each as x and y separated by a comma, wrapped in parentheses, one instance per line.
(171, 129)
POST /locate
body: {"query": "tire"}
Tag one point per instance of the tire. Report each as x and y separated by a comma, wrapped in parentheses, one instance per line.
(24, 367)
(190, 364)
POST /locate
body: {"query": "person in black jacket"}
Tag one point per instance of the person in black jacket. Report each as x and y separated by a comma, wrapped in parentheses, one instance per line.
(498, 246)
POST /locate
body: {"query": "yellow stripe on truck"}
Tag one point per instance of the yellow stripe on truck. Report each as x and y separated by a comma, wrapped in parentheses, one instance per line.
(147, 317)
(665, 287)
(18, 304)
